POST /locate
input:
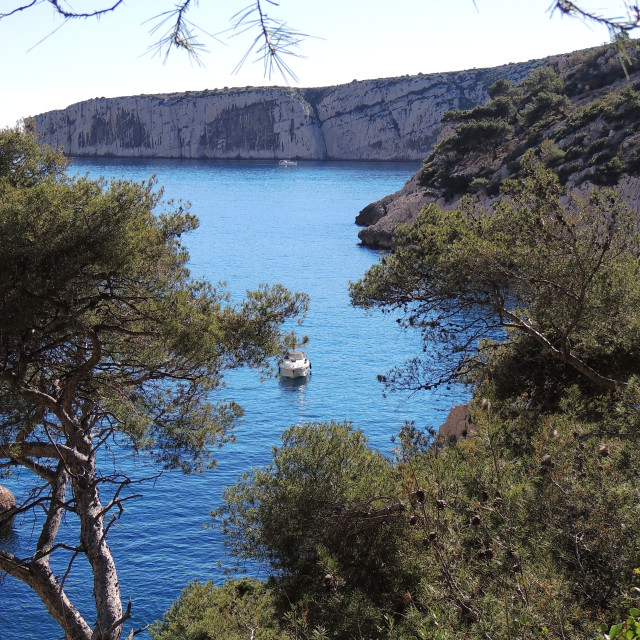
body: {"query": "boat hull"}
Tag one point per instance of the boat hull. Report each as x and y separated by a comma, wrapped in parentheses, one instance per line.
(294, 372)
(294, 364)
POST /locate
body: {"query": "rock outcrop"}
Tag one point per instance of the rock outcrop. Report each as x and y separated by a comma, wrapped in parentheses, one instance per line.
(591, 139)
(7, 507)
(458, 424)
(381, 218)
(385, 119)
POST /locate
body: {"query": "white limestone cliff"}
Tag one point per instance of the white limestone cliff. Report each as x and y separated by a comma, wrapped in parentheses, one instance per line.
(386, 119)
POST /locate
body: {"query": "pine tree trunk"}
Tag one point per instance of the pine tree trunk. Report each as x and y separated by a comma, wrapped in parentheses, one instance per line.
(106, 587)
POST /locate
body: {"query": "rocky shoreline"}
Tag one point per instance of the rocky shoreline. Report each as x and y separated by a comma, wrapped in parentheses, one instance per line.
(591, 141)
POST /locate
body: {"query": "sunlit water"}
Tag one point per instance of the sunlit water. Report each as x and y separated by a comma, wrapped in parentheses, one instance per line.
(260, 223)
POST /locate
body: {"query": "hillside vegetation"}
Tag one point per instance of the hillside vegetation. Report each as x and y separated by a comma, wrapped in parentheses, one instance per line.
(580, 114)
(528, 527)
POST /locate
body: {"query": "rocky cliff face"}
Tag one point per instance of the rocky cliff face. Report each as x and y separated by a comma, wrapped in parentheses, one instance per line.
(387, 119)
(580, 116)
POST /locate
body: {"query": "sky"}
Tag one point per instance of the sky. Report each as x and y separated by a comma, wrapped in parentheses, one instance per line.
(49, 63)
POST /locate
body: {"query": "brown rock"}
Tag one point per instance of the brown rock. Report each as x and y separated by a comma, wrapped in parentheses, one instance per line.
(458, 424)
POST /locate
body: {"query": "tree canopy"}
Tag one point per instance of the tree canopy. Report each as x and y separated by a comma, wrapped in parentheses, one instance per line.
(556, 273)
(325, 518)
(526, 530)
(105, 336)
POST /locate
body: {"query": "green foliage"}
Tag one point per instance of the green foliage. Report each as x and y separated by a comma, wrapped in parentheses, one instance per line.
(237, 610)
(485, 133)
(541, 99)
(545, 107)
(105, 336)
(597, 68)
(326, 518)
(483, 128)
(525, 530)
(23, 162)
(501, 107)
(550, 154)
(543, 80)
(529, 526)
(546, 98)
(627, 630)
(566, 279)
(547, 110)
(89, 273)
(610, 172)
(630, 98)
(531, 530)
(478, 184)
(502, 88)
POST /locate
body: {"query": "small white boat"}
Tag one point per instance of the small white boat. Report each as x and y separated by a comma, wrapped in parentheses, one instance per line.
(288, 163)
(294, 364)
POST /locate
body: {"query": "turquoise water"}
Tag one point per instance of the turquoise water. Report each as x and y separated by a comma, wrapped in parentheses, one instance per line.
(259, 223)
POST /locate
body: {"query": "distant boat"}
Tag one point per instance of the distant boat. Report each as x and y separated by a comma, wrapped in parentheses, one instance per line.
(294, 364)
(288, 163)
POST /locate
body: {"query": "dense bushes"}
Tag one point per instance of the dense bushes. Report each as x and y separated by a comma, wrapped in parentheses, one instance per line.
(328, 520)
(235, 611)
(529, 528)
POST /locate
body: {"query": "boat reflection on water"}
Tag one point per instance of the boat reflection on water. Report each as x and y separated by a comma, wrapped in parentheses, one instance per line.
(294, 383)
(294, 392)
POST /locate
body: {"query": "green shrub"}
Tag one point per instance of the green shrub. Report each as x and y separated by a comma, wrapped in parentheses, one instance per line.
(610, 172)
(502, 88)
(527, 529)
(328, 519)
(545, 107)
(575, 151)
(501, 107)
(235, 611)
(543, 80)
(630, 100)
(487, 133)
(479, 184)
(550, 154)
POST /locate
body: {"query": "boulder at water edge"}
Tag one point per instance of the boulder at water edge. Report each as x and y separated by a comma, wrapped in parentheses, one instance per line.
(7, 507)
(458, 424)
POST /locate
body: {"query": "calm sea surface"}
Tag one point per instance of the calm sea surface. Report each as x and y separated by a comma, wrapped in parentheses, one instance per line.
(260, 223)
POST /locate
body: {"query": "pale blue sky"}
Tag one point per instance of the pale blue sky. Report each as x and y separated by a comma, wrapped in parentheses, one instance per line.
(356, 39)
